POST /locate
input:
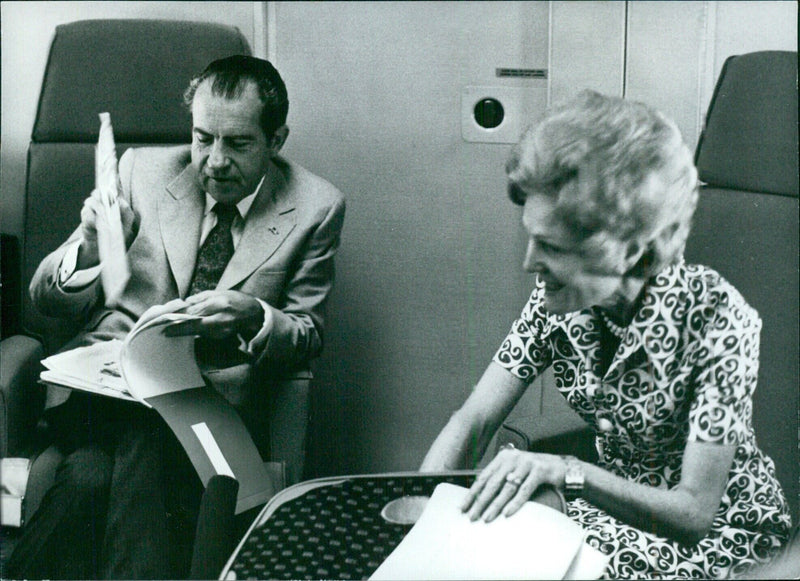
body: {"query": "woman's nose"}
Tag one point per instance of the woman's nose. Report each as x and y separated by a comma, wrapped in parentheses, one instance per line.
(531, 264)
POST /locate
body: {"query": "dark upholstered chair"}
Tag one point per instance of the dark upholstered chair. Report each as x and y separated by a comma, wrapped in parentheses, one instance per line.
(217, 532)
(137, 70)
(746, 227)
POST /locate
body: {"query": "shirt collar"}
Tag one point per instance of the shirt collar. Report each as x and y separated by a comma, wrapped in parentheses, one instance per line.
(243, 205)
(640, 332)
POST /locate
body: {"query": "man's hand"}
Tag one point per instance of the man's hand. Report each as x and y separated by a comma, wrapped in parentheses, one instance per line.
(173, 306)
(91, 213)
(224, 314)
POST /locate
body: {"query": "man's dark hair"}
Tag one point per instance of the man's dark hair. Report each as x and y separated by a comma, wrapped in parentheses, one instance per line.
(230, 76)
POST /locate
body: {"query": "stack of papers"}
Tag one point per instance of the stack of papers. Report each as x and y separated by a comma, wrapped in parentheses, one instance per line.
(146, 364)
(161, 372)
(537, 542)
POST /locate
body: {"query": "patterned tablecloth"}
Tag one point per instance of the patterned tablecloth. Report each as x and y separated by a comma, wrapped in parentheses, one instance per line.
(330, 528)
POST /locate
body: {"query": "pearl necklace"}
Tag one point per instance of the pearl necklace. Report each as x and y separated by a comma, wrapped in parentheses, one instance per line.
(615, 329)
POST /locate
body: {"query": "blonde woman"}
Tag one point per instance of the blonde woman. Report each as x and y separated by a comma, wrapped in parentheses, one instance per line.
(658, 356)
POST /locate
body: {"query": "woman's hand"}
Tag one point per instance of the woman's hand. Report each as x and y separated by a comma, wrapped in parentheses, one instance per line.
(509, 481)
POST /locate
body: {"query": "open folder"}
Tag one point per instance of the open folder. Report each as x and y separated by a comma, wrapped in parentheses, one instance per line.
(159, 371)
(537, 542)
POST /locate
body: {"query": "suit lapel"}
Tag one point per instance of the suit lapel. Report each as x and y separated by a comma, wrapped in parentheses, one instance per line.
(180, 213)
(270, 220)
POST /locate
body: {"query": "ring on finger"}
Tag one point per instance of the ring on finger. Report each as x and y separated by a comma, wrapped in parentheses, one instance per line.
(513, 480)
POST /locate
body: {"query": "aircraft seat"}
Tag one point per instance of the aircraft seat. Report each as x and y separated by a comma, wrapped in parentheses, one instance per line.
(136, 70)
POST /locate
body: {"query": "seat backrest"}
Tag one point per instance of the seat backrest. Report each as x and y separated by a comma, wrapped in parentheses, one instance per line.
(746, 227)
(136, 70)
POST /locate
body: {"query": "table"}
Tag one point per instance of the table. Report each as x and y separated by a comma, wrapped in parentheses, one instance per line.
(330, 527)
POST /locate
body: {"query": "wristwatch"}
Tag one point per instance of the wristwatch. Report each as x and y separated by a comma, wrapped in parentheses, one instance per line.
(573, 478)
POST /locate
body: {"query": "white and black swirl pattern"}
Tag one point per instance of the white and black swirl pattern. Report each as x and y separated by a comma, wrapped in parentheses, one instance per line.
(685, 371)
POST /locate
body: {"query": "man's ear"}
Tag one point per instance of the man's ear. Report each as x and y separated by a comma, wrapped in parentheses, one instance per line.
(278, 139)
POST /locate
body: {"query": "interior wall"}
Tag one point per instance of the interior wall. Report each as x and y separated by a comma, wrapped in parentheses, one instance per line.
(741, 27)
(675, 50)
(587, 48)
(665, 59)
(428, 275)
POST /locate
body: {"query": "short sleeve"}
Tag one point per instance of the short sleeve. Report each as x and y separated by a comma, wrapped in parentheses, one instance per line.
(721, 411)
(525, 352)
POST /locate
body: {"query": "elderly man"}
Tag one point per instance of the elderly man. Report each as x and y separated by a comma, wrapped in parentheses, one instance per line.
(229, 231)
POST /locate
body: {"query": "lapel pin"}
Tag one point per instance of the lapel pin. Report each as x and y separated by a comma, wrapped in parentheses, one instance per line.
(273, 230)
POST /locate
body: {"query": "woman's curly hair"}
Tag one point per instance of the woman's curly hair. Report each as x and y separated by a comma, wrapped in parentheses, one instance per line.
(635, 177)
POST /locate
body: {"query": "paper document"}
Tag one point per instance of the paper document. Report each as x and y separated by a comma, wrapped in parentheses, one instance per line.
(93, 368)
(154, 364)
(161, 372)
(212, 449)
(217, 441)
(537, 542)
(110, 236)
(147, 363)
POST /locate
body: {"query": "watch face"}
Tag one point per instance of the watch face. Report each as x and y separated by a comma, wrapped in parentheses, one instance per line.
(573, 478)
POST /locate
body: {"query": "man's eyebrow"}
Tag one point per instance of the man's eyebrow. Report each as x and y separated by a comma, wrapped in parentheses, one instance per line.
(242, 137)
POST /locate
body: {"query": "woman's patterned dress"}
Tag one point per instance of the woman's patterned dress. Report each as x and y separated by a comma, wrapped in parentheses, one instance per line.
(685, 371)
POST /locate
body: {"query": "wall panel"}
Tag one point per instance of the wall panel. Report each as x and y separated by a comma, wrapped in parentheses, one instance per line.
(429, 273)
(666, 59)
(587, 48)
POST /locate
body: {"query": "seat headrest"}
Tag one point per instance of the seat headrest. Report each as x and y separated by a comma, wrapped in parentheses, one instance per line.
(135, 69)
(750, 137)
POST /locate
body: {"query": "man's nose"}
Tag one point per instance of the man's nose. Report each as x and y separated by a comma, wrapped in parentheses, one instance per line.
(217, 158)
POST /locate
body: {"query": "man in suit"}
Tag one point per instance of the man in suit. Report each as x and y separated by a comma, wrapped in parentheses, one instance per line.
(229, 231)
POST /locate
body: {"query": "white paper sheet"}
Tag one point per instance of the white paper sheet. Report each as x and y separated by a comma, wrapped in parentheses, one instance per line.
(537, 542)
(160, 372)
(110, 236)
(93, 368)
(154, 364)
(147, 363)
(212, 449)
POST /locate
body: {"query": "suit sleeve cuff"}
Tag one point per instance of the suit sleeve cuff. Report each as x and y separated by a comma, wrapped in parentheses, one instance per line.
(68, 278)
(257, 343)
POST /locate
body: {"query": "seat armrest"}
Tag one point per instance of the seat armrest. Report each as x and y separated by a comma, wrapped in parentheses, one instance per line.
(276, 415)
(288, 425)
(575, 441)
(22, 396)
